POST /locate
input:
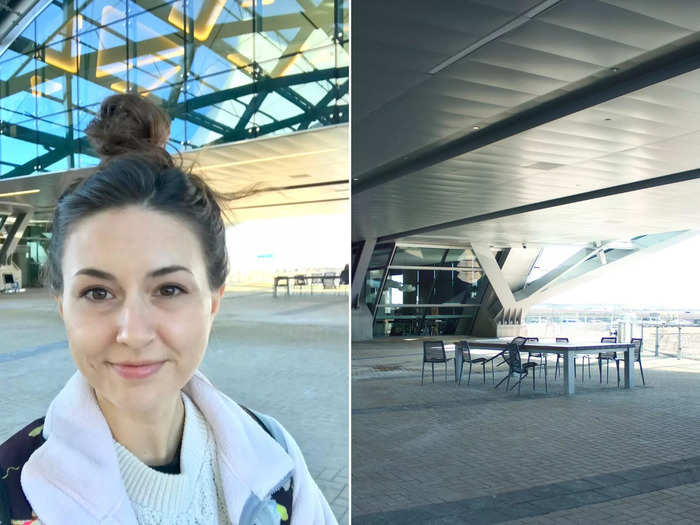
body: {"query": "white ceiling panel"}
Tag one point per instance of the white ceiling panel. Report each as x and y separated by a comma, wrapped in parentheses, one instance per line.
(398, 107)
(646, 133)
(315, 157)
(656, 210)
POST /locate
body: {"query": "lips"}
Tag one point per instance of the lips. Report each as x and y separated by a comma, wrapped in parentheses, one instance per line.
(137, 370)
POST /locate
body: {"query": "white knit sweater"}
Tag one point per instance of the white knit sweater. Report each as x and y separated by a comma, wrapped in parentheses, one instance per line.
(192, 497)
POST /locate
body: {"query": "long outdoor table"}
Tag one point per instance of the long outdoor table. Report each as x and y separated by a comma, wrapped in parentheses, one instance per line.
(310, 278)
(568, 351)
(278, 280)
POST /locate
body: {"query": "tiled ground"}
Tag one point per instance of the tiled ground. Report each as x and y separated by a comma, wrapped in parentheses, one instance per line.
(441, 453)
(286, 357)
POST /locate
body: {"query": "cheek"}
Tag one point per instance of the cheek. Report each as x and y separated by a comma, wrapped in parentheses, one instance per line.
(185, 330)
(89, 344)
(88, 335)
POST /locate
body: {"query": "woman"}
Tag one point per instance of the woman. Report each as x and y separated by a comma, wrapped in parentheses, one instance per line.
(138, 264)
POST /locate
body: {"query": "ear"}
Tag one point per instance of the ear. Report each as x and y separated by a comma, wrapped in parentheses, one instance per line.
(59, 302)
(216, 297)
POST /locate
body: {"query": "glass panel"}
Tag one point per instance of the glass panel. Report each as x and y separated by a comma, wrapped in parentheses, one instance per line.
(10, 63)
(296, 39)
(156, 57)
(395, 321)
(418, 287)
(77, 53)
(380, 256)
(456, 255)
(422, 256)
(372, 283)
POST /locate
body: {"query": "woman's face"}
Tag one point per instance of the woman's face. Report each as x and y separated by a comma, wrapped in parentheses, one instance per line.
(136, 305)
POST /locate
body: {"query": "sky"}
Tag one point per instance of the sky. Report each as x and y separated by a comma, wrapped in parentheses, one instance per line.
(668, 279)
(265, 247)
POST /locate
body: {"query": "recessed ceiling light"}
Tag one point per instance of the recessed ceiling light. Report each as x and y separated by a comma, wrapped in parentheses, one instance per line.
(614, 69)
(355, 179)
(476, 127)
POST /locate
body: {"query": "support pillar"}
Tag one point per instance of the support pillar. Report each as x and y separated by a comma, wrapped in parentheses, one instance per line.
(360, 273)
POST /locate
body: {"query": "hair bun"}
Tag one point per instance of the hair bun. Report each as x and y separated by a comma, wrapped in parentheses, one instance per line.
(128, 124)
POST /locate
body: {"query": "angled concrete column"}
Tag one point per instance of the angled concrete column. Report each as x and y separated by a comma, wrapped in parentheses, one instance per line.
(23, 215)
(358, 276)
(493, 272)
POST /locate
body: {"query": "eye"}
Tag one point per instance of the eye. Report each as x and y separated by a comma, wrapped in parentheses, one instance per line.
(170, 290)
(96, 294)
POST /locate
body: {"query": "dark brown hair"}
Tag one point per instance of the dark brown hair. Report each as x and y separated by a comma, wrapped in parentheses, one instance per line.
(135, 170)
(127, 124)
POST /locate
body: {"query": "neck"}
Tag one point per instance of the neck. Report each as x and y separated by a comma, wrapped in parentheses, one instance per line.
(154, 438)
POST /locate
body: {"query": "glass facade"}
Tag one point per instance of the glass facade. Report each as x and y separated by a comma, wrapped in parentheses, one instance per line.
(225, 70)
(424, 290)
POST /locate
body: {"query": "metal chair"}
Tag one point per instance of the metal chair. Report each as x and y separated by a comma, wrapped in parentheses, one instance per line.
(463, 346)
(540, 355)
(583, 361)
(316, 278)
(329, 281)
(516, 366)
(519, 340)
(637, 358)
(434, 352)
(607, 357)
(300, 281)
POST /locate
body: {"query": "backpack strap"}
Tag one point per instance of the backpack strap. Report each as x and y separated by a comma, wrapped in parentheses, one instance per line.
(283, 497)
(14, 453)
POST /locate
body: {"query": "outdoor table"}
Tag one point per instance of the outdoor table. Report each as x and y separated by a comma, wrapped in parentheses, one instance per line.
(568, 351)
(286, 279)
(278, 279)
(334, 277)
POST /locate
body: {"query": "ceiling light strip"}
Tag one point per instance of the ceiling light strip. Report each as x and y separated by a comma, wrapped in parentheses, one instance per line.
(506, 28)
(16, 193)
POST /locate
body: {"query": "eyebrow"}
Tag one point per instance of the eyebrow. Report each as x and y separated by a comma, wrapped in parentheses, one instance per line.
(93, 272)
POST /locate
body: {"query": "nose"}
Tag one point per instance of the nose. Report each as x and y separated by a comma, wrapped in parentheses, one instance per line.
(135, 326)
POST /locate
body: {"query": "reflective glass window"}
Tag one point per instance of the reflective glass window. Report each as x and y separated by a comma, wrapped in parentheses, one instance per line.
(225, 71)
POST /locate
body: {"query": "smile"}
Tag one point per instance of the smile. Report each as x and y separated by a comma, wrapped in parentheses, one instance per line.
(137, 371)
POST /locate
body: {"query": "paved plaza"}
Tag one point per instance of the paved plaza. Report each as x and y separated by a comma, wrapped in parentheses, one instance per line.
(286, 357)
(445, 454)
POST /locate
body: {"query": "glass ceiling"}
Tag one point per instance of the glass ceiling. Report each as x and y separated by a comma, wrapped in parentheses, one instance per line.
(225, 70)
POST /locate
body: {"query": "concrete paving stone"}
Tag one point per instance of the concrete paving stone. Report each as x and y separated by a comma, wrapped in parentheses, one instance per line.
(284, 357)
(464, 443)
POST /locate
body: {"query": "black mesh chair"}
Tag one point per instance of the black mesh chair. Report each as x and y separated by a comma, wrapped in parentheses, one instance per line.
(516, 366)
(520, 341)
(434, 352)
(463, 346)
(637, 358)
(607, 357)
